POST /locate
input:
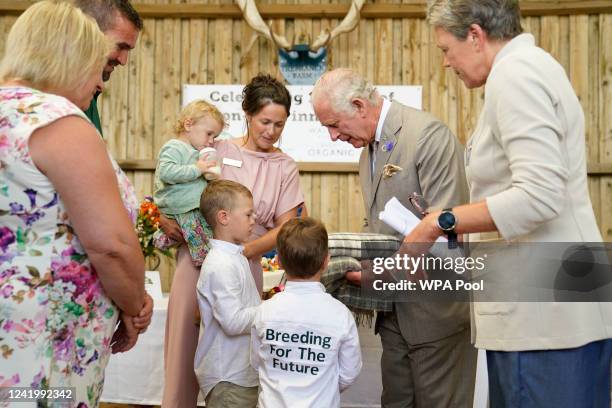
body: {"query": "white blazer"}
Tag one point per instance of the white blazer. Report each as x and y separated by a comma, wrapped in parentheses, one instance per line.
(527, 159)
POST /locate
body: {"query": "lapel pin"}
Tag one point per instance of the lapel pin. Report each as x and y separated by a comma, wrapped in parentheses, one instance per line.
(387, 146)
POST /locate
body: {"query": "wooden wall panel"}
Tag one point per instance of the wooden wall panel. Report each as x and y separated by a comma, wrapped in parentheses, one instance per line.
(6, 22)
(411, 47)
(605, 116)
(142, 100)
(356, 54)
(584, 80)
(425, 79)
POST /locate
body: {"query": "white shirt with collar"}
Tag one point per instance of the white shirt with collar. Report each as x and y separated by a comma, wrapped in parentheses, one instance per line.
(305, 347)
(228, 300)
(379, 127)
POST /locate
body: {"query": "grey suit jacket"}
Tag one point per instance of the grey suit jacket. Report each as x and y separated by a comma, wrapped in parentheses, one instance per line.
(431, 159)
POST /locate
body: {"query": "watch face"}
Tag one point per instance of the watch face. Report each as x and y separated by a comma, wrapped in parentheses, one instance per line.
(446, 220)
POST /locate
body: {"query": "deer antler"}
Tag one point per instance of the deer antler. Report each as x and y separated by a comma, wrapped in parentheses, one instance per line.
(347, 25)
(255, 21)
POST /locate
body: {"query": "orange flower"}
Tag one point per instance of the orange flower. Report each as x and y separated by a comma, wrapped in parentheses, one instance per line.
(147, 224)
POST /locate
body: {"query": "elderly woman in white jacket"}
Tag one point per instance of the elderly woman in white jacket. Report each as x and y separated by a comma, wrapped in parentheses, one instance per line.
(526, 169)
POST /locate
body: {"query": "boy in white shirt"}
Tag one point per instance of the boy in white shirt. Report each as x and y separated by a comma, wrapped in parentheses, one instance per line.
(304, 342)
(228, 300)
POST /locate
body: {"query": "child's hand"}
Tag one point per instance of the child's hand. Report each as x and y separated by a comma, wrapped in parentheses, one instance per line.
(205, 166)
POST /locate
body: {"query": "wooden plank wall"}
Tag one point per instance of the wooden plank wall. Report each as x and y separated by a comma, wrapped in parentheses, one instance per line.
(143, 98)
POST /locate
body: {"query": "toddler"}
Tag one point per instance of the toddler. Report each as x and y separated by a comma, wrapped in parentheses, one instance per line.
(181, 174)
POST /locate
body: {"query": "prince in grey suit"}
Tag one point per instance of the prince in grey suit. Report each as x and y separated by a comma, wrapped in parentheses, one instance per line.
(427, 359)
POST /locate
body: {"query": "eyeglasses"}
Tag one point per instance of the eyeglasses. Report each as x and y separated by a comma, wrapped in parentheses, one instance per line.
(419, 203)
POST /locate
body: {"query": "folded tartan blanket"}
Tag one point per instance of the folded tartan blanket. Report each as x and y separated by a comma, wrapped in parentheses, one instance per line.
(346, 251)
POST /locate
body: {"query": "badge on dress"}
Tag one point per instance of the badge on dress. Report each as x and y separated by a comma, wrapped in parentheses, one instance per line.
(232, 162)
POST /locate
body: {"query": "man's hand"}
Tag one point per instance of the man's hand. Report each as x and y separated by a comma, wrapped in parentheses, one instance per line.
(354, 277)
(143, 320)
(125, 335)
(171, 228)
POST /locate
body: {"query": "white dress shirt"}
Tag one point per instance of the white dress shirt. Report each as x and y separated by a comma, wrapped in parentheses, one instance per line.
(228, 300)
(379, 127)
(305, 347)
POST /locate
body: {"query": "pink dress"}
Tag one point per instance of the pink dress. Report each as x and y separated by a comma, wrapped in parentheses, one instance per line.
(273, 179)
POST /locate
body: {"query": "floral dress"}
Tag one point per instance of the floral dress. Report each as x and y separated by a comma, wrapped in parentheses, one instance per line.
(56, 322)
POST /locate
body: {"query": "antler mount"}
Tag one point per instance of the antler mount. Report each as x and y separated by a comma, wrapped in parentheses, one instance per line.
(255, 21)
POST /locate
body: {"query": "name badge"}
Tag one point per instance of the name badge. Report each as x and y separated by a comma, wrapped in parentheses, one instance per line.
(232, 162)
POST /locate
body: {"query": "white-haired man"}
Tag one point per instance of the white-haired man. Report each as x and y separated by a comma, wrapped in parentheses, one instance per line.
(427, 359)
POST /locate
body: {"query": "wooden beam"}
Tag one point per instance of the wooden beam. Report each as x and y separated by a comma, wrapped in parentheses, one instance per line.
(564, 8)
(13, 7)
(599, 169)
(594, 169)
(149, 165)
(275, 11)
(329, 167)
(374, 11)
(137, 164)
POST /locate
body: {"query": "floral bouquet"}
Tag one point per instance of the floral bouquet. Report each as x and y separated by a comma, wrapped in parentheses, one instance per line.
(147, 223)
(270, 264)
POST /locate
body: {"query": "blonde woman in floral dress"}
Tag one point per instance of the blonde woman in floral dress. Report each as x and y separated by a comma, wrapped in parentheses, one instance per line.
(70, 262)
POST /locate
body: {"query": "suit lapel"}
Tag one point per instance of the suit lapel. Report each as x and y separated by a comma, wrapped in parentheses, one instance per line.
(364, 174)
(388, 142)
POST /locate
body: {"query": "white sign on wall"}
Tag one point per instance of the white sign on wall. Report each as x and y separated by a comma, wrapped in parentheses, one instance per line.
(304, 138)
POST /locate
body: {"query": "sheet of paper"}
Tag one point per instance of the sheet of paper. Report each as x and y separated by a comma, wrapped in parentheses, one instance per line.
(400, 218)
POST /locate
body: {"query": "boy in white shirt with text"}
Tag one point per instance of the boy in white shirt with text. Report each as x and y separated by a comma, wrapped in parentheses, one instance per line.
(228, 300)
(305, 344)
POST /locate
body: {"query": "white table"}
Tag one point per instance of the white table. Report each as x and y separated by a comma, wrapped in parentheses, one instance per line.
(137, 377)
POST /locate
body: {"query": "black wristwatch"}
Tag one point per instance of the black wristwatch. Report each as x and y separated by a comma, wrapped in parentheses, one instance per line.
(447, 223)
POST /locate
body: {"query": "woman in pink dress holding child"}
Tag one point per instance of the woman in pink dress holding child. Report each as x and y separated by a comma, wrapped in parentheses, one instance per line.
(273, 178)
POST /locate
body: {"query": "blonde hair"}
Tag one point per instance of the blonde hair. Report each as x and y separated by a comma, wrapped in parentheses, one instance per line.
(54, 46)
(196, 110)
(221, 195)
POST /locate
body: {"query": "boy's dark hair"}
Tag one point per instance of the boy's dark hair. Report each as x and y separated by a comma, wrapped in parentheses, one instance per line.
(302, 246)
(220, 195)
(103, 11)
